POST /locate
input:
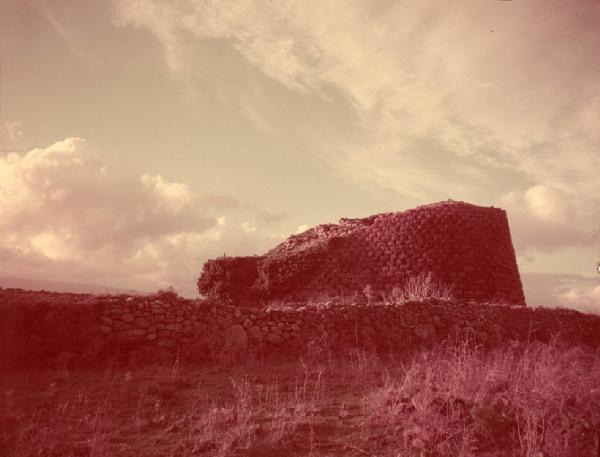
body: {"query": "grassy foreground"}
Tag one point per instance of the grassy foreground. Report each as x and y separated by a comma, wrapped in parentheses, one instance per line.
(452, 400)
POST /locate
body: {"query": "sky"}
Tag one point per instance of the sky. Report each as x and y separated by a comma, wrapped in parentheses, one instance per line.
(138, 138)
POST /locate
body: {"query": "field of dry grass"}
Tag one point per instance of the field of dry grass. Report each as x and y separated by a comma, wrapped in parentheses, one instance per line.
(452, 400)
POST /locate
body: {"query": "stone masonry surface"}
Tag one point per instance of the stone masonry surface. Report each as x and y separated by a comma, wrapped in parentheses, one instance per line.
(48, 324)
(464, 246)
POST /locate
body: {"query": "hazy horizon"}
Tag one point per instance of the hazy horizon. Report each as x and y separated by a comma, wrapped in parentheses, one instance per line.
(138, 138)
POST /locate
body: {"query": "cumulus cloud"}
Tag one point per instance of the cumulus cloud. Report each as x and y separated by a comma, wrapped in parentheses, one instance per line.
(485, 101)
(544, 217)
(66, 214)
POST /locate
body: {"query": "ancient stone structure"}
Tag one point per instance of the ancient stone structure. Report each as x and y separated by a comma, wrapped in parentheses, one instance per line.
(36, 327)
(463, 246)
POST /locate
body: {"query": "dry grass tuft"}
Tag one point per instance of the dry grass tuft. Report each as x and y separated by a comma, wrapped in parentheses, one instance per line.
(420, 287)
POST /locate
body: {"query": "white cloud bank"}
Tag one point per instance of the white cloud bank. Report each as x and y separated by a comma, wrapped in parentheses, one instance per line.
(66, 214)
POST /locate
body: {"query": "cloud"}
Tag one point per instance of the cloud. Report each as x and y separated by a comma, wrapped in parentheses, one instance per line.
(52, 13)
(65, 185)
(583, 298)
(10, 134)
(480, 102)
(548, 204)
(271, 218)
(560, 290)
(66, 214)
(545, 218)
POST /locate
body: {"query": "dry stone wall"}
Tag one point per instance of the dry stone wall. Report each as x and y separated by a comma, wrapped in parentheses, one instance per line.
(463, 246)
(34, 327)
(385, 326)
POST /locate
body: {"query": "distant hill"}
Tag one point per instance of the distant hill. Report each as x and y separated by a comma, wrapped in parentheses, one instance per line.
(61, 286)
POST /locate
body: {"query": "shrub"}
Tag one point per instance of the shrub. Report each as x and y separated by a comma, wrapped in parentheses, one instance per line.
(421, 287)
(168, 294)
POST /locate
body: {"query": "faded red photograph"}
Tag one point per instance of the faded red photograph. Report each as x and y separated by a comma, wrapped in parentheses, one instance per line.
(299, 228)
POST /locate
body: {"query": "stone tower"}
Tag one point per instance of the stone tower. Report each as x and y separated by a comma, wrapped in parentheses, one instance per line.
(464, 246)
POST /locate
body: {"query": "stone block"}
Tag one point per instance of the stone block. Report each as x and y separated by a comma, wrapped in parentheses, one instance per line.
(118, 325)
(274, 339)
(425, 331)
(255, 333)
(236, 336)
(134, 333)
(142, 322)
(105, 329)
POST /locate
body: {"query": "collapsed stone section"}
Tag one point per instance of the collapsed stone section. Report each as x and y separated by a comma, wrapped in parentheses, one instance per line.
(463, 246)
